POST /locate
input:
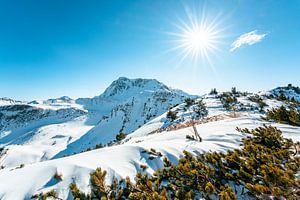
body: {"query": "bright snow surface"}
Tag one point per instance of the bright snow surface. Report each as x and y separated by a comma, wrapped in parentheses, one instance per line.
(218, 134)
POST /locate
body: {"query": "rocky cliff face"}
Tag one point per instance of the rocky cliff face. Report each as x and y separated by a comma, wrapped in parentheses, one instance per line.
(124, 106)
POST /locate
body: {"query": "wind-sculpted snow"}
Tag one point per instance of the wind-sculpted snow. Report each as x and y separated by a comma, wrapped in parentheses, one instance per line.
(126, 159)
(14, 119)
(133, 103)
(51, 129)
(36, 129)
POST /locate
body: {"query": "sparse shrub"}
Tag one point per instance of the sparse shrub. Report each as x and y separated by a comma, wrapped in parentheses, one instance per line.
(257, 99)
(153, 153)
(189, 102)
(286, 116)
(143, 167)
(45, 196)
(77, 195)
(282, 97)
(200, 109)
(209, 188)
(99, 188)
(227, 193)
(233, 90)
(265, 167)
(172, 115)
(153, 150)
(228, 100)
(213, 91)
(88, 149)
(120, 137)
(99, 146)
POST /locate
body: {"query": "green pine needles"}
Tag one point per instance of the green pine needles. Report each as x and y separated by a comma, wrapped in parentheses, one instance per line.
(285, 116)
(263, 168)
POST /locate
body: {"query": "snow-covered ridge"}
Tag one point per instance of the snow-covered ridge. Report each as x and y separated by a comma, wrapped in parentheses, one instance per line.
(14, 118)
(123, 84)
(126, 159)
(38, 134)
(39, 127)
(123, 89)
(7, 101)
(124, 106)
(289, 92)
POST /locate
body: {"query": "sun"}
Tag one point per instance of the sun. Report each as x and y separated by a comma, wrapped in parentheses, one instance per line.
(197, 41)
(197, 37)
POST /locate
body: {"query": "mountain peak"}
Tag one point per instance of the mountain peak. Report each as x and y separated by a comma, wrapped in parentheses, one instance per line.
(123, 84)
(63, 99)
(8, 101)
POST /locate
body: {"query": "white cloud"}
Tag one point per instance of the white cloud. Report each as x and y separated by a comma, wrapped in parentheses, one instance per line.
(247, 39)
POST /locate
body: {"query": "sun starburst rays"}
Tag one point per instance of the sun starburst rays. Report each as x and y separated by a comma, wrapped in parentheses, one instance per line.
(197, 38)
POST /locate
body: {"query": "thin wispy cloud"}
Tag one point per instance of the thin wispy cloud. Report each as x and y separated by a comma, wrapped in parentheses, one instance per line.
(247, 39)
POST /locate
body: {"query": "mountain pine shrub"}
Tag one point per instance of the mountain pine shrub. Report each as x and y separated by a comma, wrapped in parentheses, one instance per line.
(213, 91)
(228, 100)
(200, 109)
(257, 99)
(120, 136)
(264, 168)
(285, 116)
(189, 102)
(171, 115)
(52, 194)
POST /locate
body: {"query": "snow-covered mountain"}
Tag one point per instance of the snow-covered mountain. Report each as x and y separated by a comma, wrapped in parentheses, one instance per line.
(41, 130)
(7, 101)
(124, 106)
(16, 119)
(124, 90)
(217, 129)
(290, 92)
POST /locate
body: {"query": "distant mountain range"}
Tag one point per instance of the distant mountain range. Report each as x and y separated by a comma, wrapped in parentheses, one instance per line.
(124, 106)
(53, 130)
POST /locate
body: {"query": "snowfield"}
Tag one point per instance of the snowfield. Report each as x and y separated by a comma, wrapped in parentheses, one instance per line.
(36, 146)
(41, 130)
(125, 159)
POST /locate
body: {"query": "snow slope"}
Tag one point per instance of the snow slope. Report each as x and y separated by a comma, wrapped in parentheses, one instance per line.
(124, 106)
(40, 130)
(7, 101)
(218, 134)
(290, 92)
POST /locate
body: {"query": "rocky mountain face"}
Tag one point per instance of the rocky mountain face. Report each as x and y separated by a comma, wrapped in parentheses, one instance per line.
(34, 134)
(7, 101)
(123, 107)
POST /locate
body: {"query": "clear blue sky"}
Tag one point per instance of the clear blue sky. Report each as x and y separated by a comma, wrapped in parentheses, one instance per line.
(77, 48)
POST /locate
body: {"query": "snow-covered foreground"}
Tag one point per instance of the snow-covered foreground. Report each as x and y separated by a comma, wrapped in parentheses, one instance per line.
(38, 139)
(125, 159)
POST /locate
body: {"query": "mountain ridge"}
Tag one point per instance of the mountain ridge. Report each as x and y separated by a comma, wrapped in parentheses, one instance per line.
(142, 151)
(95, 120)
